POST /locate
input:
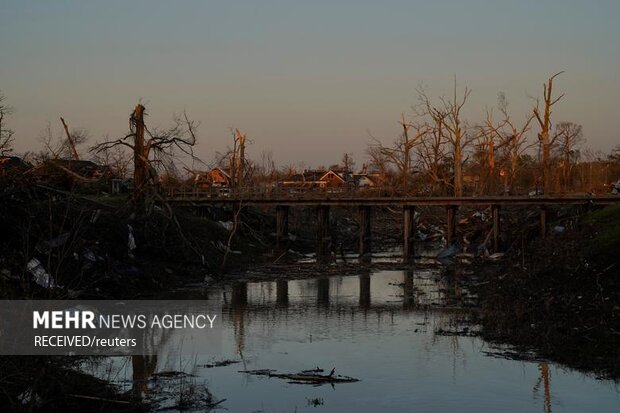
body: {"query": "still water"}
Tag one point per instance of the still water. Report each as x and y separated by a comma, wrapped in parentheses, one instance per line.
(390, 329)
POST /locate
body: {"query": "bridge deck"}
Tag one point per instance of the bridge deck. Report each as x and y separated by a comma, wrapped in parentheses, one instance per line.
(335, 200)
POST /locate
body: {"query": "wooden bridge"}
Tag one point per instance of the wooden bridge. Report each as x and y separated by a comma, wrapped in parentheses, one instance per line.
(322, 201)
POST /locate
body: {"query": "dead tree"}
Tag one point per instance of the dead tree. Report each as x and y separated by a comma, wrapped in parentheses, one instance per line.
(6, 134)
(151, 150)
(347, 162)
(545, 139)
(570, 137)
(400, 155)
(513, 140)
(490, 132)
(70, 140)
(431, 155)
(453, 128)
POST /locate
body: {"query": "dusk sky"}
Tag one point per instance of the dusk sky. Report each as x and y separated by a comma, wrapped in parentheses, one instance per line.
(308, 80)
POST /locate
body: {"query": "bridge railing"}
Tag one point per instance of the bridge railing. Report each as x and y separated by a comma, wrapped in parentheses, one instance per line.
(279, 193)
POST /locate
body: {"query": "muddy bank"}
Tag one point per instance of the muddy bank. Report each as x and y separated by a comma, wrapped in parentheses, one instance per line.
(560, 296)
(42, 384)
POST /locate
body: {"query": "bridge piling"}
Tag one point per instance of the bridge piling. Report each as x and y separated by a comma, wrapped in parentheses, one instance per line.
(496, 228)
(323, 233)
(281, 225)
(408, 233)
(543, 221)
(451, 228)
(365, 234)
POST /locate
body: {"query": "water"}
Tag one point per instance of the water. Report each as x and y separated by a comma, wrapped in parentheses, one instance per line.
(381, 328)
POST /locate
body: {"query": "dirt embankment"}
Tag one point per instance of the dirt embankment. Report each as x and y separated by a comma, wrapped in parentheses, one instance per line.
(97, 247)
(561, 296)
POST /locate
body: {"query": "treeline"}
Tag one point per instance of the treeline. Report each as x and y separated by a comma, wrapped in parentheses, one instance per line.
(438, 152)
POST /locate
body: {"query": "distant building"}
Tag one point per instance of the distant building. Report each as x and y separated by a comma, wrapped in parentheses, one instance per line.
(13, 164)
(309, 179)
(215, 178)
(70, 171)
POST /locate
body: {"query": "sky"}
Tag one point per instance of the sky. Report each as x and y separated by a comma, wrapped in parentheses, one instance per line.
(307, 80)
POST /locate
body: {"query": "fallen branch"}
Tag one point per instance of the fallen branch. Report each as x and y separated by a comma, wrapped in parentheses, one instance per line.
(305, 377)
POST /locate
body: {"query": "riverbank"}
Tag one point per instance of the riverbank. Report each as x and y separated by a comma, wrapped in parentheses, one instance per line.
(561, 296)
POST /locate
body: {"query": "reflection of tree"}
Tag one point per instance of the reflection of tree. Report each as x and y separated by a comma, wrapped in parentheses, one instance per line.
(143, 367)
(545, 380)
(239, 302)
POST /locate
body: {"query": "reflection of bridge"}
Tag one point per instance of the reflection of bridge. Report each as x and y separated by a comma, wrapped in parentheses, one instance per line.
(324, 297)
(241, 303)
(322, 201)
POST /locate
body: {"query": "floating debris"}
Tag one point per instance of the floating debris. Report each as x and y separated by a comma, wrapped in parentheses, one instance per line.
(304, 377)
(222, 363)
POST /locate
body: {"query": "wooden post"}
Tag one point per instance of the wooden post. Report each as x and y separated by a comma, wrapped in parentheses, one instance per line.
(451, 228)
(322, 249)
(365, 235)
(408, 233)
(543, 221)
(496, 227)
(281, 225)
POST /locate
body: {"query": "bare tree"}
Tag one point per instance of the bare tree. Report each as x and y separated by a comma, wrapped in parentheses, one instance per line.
(431, 154)
(570, 138)
(489, 134)
(546, 140)
(6, 134)
(453, 129)
(152, 151)
(513, 140)
(347, 162)
(57, 147)
(117, 158)
(400, 155)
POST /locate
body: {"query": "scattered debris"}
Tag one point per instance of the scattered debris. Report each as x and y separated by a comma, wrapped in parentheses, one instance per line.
(131, 242)
(558, 229)
(39, 274)
(311, 377)
(448, 253)
(227, 225)
(171, 374)
(315, 402)
(59, 241)
(222, 363)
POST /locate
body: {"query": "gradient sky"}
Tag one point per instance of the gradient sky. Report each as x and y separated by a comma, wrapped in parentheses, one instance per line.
(306, 79)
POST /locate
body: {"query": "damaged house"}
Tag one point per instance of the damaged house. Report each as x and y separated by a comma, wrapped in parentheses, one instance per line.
(68, 173)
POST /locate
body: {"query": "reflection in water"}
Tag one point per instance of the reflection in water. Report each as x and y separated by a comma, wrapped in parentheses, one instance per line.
(143, 368)
(322, 292)
(364, 291)
(390, 329)
(238, 304)
(282, 293)
(408, 296)
(545, 380)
